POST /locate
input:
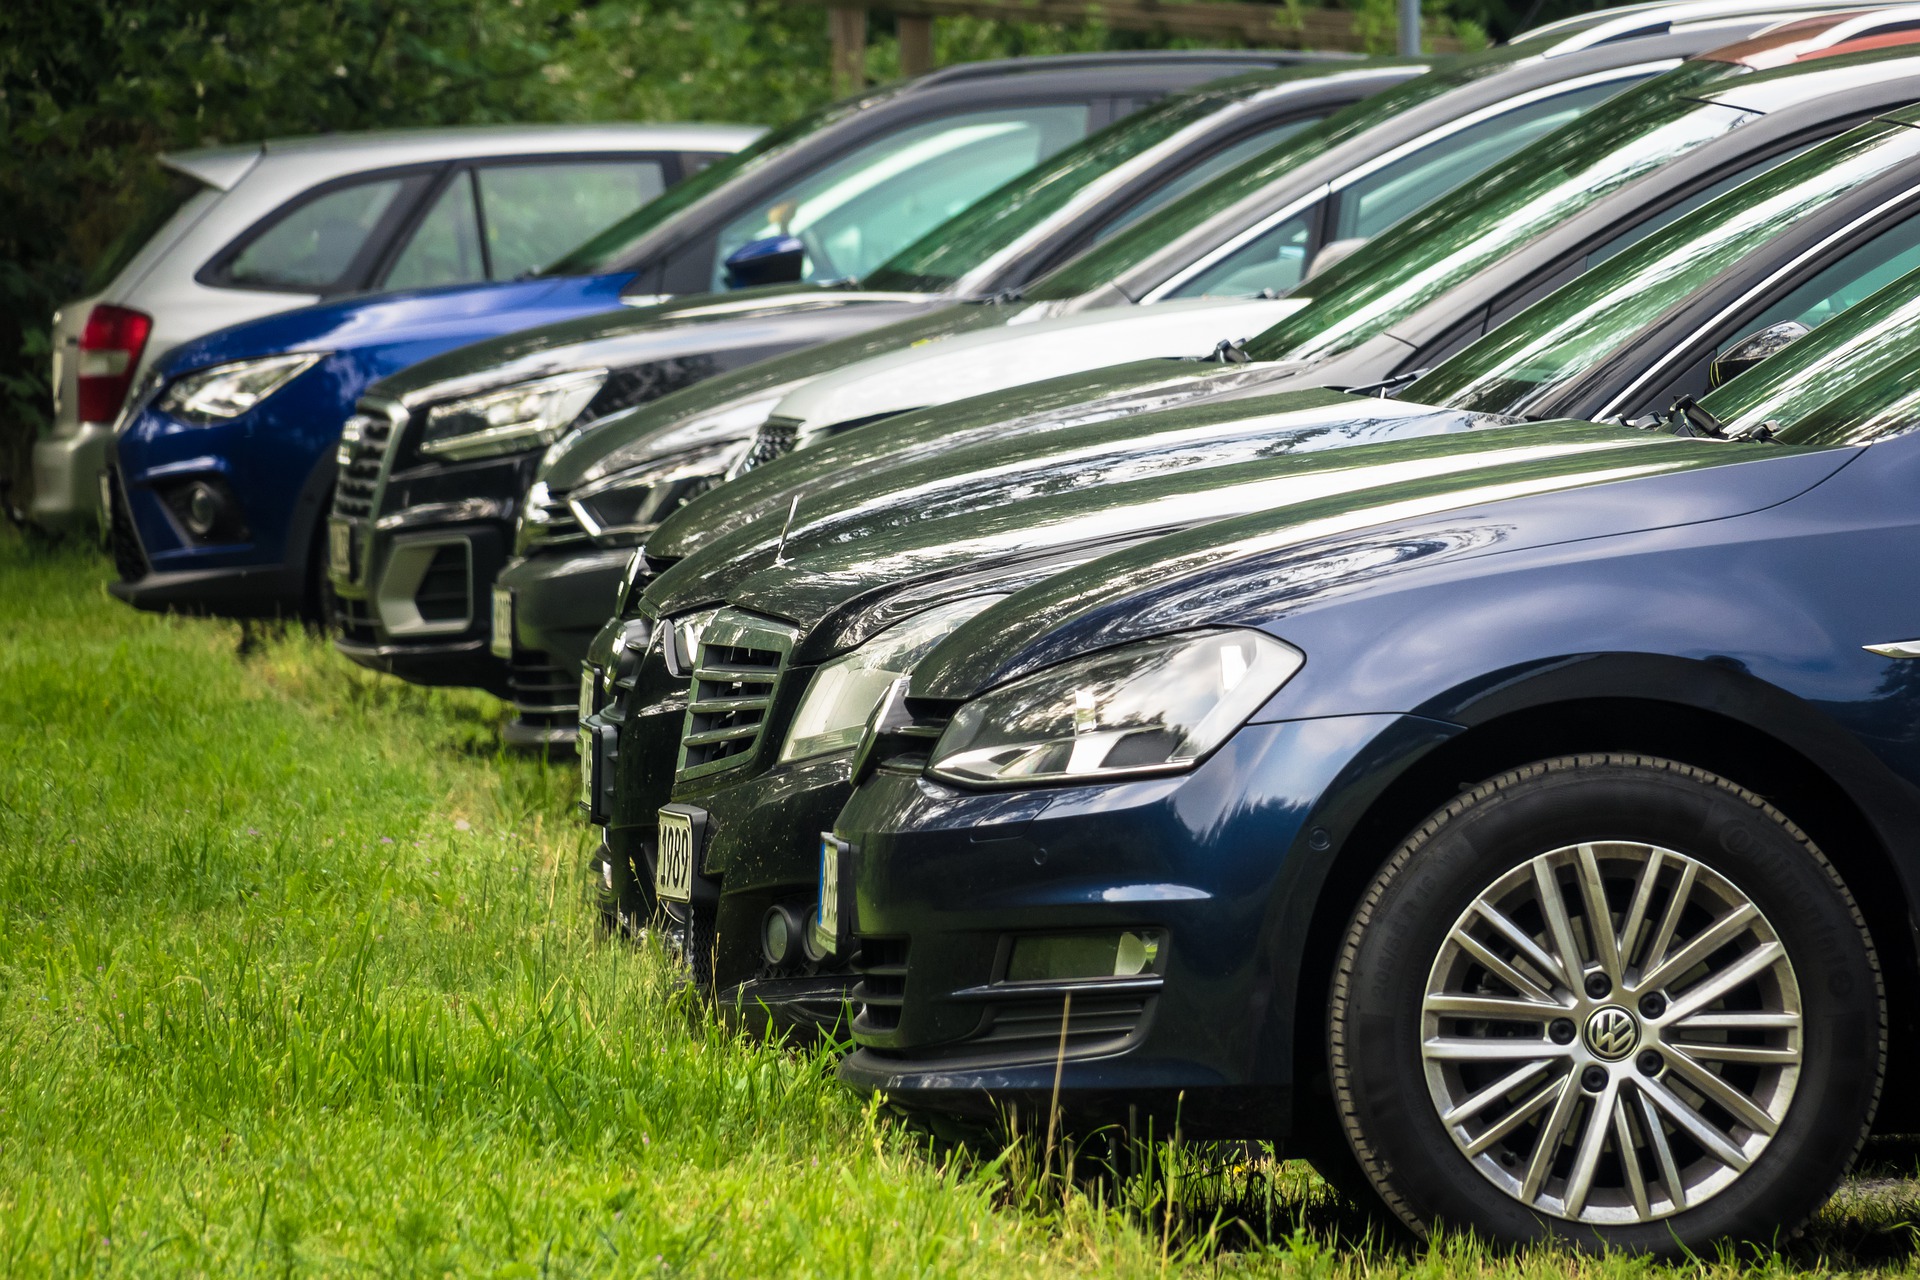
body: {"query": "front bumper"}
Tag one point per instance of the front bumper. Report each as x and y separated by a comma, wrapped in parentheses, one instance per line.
(559, 603)
(1218, 863)
(66, 477)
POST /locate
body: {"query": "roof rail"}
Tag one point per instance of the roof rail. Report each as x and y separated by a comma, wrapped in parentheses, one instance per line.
(1124, 57)
(1641, 21)
(1898, 17)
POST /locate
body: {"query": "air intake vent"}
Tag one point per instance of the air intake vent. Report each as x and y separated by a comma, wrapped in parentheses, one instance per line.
(882, 966)
(735, 675)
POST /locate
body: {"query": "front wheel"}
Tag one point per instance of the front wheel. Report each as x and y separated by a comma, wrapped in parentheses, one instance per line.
(1611, 1000)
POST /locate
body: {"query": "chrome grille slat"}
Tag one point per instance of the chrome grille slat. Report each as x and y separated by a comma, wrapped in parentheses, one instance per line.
(736, 674)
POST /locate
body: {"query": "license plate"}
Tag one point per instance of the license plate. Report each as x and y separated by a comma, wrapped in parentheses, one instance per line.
(340, 548)
(587, 745)
(673, 867)
(106, 500)
(588, 676)
(830, 893)
(502, 644)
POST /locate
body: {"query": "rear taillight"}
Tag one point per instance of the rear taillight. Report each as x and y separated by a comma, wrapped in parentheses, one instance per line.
(110, 347)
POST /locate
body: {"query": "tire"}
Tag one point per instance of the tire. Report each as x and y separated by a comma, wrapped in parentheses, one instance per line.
(1754, 1003)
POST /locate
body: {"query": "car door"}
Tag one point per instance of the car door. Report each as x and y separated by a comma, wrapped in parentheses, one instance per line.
(502, 219)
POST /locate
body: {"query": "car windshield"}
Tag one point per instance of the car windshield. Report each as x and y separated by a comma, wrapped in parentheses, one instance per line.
(938, 260)
(1852, 381)
(1575, 328)
(1503, 207)
(608, 250)
(1102, 264)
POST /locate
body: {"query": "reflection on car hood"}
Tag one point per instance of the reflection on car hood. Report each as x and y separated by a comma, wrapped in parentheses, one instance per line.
(859, 464)
(579, 458)
(995, 504)
(1546, 484)
(977, 363)
(680, 328)
(459, 313)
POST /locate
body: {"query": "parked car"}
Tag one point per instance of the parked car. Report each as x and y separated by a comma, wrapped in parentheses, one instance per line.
(1500, 240)
(236, 233)
(1559, 813)
(426, 509)
(726, 702)
(1375, 160)
(273, 395)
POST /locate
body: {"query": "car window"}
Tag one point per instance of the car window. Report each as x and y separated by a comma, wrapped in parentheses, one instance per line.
(1850, 382)
(1273, 262)
(536, 212)
(1394, 190)
(445, 247)
(1205, 171)
(1583, 323)
(1438, 248)
(1863, 271)
(1680, 208)
(856, 213)
(312, 246)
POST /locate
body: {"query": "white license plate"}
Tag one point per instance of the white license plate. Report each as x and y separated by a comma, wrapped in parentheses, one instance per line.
(673, 867)
(106, 500)
(340, 548)
(830, 892)
(502, 644)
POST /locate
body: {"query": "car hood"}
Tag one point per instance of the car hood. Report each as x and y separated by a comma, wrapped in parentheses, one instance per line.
(598, 449)
(994, 505)
(859, 463)
(680, 328)
(1537, 486)
(439, 317)
(1022, 352)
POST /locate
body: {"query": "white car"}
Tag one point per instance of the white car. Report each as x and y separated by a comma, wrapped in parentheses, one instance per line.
(243, 232)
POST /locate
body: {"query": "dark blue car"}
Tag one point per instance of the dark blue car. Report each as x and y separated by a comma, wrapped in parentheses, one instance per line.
(221, 471)
(1533, 843)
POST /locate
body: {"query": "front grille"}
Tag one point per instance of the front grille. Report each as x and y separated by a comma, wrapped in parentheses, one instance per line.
(362, 452)
(355, 620)
(775, 438)
(555, 525)
(735, 674)
(882, 988)
(442, 593)
(543, 692)
(129, 559)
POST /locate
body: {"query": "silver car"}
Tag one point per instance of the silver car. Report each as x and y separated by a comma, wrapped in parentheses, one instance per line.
(242, 232)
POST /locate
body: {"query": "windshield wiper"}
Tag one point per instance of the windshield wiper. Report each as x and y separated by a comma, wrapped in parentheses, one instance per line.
(1687, 418)
(1386, 387)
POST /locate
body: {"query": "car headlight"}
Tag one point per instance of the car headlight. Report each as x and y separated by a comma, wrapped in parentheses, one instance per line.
(622, 509)
(843, 693)
(228, 390)
(513, 418)
(1157, 706)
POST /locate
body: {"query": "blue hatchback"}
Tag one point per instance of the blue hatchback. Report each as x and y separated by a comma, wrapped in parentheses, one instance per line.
(1534, 845)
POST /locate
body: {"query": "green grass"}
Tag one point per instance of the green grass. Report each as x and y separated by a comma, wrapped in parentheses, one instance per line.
(296, 978)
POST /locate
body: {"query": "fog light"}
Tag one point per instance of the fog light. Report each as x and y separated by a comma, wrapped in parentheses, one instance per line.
(1068, 957)
(811, 943)
(204, 507)
(780, 932)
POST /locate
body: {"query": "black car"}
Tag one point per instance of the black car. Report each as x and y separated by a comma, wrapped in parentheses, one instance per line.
(439, 454)
(1356, 174)
(730, 697)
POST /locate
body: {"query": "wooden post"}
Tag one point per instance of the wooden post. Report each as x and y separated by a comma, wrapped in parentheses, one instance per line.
(849, 29)
(916, 44)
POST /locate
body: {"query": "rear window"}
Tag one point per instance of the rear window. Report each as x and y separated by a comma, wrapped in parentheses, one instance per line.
(164, 195)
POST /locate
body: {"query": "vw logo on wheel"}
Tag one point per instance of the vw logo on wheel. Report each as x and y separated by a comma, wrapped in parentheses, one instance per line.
(1612, 1033)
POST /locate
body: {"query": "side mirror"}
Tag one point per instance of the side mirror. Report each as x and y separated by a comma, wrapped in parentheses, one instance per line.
(774, 260)
(1752, 349)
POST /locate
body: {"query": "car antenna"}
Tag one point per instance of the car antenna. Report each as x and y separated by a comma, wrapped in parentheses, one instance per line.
(780, 552)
